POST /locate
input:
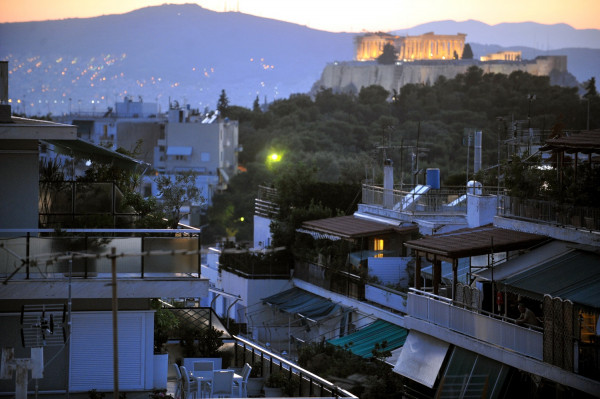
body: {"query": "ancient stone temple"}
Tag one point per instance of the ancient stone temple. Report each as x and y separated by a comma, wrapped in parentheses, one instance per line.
(428, 46)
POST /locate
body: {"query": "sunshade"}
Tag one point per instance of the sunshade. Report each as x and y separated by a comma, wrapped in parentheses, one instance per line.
(302, 303)
(363, 341)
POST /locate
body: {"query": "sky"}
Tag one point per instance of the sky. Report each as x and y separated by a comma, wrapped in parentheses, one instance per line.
(335, 15)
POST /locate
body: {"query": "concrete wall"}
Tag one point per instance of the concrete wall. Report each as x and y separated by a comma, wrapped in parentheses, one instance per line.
(481, 209)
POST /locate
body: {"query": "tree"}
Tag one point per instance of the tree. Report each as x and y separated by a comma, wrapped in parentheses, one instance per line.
(590, 88)
(223, 103)
(173, 194)
(389, 55)
(256, 106)
(467, 52)
(455, 55)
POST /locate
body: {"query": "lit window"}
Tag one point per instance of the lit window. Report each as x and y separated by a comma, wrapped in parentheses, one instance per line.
(378, 246)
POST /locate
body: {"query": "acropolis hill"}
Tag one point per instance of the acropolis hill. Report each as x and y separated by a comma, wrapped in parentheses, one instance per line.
(423, 59)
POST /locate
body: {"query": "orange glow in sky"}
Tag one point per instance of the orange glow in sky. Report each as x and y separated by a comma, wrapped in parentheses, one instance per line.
(335, 15)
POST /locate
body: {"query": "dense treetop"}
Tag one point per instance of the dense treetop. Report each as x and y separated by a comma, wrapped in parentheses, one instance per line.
(342, 139)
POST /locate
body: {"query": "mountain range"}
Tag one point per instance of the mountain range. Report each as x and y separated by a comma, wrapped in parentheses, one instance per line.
(189, 54)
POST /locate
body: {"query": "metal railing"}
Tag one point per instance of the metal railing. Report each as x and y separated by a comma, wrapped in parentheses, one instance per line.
(584, 218)
(476, 324)
(448, 201)
(310, 385)
(30, 255)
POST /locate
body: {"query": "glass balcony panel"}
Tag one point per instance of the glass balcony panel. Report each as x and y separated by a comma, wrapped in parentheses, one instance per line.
(171, 263)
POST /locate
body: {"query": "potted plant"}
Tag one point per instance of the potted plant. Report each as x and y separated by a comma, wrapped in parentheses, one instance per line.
(256, 381)
(280, 383)
(203, 344)
(165, 322)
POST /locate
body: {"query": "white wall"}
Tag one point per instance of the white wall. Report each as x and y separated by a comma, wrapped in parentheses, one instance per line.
(481, 209)
(262, 232)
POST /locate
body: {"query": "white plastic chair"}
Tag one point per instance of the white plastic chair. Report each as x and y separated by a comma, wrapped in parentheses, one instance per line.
(245, 374)
(205, 370)
(222, 384)
(190, 387)
(179, 382)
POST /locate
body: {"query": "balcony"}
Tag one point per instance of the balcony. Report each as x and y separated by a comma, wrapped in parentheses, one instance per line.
(551, 213)
(479, 325)
(149, 264)
(309, 384)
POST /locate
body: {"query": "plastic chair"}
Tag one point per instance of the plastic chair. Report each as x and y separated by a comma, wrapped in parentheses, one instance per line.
(245, 374)
(190, 387)
(222, 384)
(204, 370)
(179, 382)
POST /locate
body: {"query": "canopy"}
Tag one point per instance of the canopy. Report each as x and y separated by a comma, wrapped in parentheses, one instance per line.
(363, 341)
(530, 259)
(302, 303)
(84, 149)
(421, 358)
(574, 276)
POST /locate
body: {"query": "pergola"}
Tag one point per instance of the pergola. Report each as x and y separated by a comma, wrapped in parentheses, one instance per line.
(450, 247)
(586, 142)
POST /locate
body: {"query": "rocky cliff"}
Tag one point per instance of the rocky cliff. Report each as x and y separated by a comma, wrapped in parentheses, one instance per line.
(352, 76)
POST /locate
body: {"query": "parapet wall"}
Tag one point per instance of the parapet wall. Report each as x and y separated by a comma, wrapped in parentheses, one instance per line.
(352, 76)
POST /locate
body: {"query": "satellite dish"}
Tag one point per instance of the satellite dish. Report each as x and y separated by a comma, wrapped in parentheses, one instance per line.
(43, 325)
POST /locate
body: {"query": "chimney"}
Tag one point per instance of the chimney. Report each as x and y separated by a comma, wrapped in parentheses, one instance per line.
(5, 112)
(388, 183)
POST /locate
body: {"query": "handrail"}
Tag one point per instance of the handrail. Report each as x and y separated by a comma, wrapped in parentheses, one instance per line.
(471, 308)
(286, 364)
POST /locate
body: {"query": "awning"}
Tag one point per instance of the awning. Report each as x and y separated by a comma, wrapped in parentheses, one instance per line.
(363, 341)
(85, 149)
(421, 358)
(475, 241)
(302, 303)
(351, 227)
(174, 150)
(574, 276)
(526, 261)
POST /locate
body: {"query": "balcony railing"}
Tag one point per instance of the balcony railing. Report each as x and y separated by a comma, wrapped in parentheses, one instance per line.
(550, 212)
(152, 252)
(441, 201)
(441, 311)
(311, 385)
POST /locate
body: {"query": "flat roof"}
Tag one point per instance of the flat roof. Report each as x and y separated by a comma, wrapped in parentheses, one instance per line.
(475, 241)
(353, 227)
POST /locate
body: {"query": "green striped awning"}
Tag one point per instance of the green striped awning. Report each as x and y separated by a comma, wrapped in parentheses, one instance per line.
(362, 342)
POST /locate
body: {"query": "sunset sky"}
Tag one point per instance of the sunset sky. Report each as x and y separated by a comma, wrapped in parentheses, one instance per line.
(335, 15)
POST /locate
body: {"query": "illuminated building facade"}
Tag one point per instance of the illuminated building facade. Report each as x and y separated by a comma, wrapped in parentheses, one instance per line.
(428, 46)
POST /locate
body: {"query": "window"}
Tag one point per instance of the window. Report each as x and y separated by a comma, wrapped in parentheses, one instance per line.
(205, 156)
(378, 246)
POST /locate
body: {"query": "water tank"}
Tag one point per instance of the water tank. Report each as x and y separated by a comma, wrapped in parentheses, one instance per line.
(433, 178)
(474, 187)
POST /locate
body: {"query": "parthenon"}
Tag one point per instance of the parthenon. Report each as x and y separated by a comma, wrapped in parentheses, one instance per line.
(428, 46)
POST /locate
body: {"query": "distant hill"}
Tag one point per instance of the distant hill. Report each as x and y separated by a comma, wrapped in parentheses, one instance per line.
(528, 34)
(189, 54)
(183, 52)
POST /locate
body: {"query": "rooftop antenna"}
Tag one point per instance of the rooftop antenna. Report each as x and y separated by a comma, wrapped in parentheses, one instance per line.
(41, 325)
